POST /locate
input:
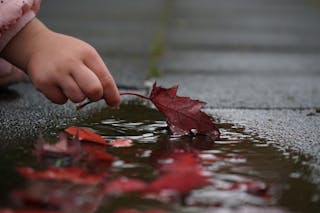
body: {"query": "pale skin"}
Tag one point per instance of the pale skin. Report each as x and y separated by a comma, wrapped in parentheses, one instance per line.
(60, 66)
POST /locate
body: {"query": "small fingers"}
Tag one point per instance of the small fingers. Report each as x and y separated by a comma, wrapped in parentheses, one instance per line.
(89, 83)
(71, 90)
(110, 90)
(55, 94)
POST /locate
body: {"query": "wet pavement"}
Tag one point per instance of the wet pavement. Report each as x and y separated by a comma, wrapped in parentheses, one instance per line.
(255, 62)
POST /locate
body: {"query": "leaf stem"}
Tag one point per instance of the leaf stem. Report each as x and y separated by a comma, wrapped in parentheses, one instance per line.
(135, 94)
(122, 93)
(83, 105)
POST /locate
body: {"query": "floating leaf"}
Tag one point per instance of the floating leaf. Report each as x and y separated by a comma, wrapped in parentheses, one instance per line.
(85, 134)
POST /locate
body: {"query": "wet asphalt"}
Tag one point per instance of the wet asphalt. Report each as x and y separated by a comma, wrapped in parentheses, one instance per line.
(255, 62)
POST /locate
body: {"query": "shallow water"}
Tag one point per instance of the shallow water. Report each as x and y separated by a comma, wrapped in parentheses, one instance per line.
(277, 181)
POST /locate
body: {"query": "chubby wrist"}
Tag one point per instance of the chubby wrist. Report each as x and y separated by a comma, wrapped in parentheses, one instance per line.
(20, 49)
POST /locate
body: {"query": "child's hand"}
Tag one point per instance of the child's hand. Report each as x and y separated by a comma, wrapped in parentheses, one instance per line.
(61, 67)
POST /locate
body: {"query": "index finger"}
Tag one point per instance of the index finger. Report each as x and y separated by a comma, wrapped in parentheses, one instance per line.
(110, 89)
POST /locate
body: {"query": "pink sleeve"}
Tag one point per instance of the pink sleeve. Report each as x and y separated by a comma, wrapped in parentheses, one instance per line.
(14, 15)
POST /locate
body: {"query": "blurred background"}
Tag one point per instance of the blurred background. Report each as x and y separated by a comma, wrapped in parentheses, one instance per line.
(234, 54)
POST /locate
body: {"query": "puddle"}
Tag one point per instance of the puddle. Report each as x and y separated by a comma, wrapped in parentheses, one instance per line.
(245, 173)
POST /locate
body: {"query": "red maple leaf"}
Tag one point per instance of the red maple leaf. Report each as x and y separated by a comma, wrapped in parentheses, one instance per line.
(183, 114)
(85, 134)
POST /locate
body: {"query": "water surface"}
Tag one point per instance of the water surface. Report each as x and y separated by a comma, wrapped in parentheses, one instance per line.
(278, 181)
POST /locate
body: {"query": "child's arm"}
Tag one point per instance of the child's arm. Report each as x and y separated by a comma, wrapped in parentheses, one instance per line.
(61, 67)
